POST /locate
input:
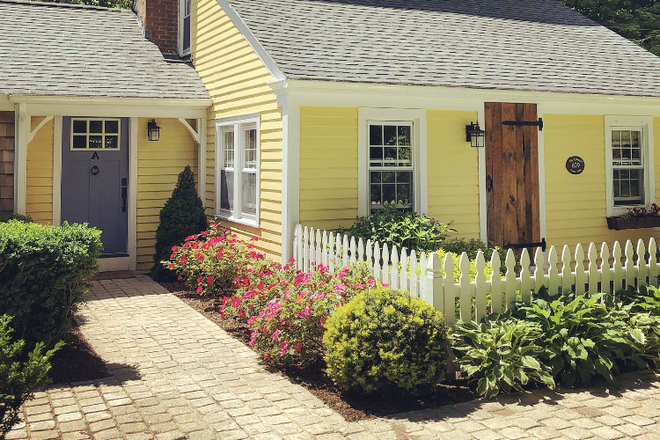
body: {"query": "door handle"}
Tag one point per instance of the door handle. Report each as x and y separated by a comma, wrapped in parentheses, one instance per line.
(124, 194)
(489, 183)
(94, 170)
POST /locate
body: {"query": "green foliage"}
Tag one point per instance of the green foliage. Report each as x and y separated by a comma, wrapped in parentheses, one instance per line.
(18, 217)
(637, 20)
(501, 354)
(582, 335)
(645, 299)
(19, 379)
(385, 341)
(43, 276)
(181, 217)
(401, 229)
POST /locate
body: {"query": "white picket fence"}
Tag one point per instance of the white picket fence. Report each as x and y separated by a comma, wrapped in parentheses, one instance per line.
(602, 271)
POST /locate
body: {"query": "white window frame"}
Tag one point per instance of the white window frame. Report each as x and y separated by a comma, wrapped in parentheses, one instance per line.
(393, 116)
(182, 16)
(239, 126)
(644, 124)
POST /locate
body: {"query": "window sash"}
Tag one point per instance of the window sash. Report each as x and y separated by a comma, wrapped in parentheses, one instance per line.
(628, 166)
(95, 134)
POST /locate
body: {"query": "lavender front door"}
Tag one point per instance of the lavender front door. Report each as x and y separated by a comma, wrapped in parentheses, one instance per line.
(95, 178)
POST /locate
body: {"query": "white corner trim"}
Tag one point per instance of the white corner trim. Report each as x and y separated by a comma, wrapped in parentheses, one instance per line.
(57, 171)
(252, 40)
(132, 191)
(290, 177)
(34, 132)
(21, 135)
(194, 133)
(201, 166)
(418, 117)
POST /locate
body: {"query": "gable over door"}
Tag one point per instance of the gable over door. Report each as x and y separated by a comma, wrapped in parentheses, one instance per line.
(512, 174)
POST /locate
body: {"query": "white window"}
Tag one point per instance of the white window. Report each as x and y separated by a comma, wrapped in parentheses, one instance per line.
(237, 169)
(391, 171)
(185, 26)
(391, 159)
(629, 163)
(94, 134)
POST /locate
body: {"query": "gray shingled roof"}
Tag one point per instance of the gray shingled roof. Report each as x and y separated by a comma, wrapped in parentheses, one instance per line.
(531, 45)
(49, 49)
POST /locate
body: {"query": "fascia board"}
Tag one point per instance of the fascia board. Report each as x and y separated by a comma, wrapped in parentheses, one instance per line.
(252, 41)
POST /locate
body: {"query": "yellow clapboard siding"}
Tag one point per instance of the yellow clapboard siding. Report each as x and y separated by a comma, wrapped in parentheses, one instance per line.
(452, 171)
(39, 173)
(159, 164)
(328, 165)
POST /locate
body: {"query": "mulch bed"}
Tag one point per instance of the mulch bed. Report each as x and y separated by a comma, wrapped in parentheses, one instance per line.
(313, 378)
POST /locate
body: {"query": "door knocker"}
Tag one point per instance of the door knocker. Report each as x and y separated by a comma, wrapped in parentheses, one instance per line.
(95, 170)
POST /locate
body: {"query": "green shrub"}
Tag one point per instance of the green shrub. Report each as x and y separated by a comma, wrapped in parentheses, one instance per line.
(21, 218)
(43, 276)
(501, 354)
(385, 341)
(182, 216)
(19, 379)
(402, 229)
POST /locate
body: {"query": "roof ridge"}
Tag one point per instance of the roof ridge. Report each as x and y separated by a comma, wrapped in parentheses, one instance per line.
(63, 5)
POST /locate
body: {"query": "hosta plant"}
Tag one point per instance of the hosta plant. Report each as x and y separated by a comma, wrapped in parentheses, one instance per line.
(384, 341)
(502, 355)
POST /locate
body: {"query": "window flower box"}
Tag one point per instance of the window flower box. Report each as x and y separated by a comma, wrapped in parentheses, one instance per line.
(627, 222)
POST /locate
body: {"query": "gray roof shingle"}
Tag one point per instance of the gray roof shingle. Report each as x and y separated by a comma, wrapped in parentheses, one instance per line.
(529, 45)
(50, 49)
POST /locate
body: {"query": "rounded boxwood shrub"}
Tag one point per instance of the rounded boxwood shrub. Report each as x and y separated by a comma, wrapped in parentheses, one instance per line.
(182, 216)
(385, 341)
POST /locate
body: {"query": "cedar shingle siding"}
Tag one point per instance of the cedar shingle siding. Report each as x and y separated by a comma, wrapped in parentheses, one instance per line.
(6, 162)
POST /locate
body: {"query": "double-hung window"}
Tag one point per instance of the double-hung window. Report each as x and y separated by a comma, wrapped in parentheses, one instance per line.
(630, 162)
(185, 26)
(237, 169)
(391, 171)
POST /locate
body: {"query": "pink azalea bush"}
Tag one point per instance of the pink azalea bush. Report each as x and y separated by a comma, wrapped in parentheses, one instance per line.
(209, 262)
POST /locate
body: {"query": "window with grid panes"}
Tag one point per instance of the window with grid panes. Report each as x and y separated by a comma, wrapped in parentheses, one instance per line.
(627, 167)
(94, 134)
(391, 165)
(237, 178)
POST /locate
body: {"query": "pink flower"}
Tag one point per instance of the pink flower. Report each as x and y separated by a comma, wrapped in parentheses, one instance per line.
(323, 322)
(276, 333)
(283, 348)
(236, 302)
(220, 255)
(254, 238)
(266, 355)
(182, 260)
(175, 248)
(253, 338)
(199, 280)
(171, 265)
(199, 289)
(172, 256)
(339, 288)
(297, 347)
(209, 280)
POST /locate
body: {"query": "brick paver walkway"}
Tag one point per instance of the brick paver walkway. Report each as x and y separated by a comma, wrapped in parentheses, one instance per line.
(176, 375)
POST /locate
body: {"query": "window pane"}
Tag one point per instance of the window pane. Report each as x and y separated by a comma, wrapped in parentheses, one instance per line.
(390, 157)
(389, 194)
(79, 142)
(80, 126)
(390, 135)
(388, 177)
(376, 154)
(186, 33)
(96, 142)
(375, 177)
(229, 150)
(111, 142)
(404, 135)
(250, 149)
(227, 190)
(249, 193)
(112, 126)
(375, 194)
(376, 135)
(404, 156)
(96, 126)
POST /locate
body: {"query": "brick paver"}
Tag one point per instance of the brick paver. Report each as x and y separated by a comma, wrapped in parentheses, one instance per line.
(175, 375)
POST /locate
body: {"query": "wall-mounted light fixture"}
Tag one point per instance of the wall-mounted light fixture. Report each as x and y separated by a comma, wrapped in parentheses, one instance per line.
(475, 135)
(153, 130)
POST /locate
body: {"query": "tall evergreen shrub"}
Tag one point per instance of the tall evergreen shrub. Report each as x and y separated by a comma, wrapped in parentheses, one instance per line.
(183, 215)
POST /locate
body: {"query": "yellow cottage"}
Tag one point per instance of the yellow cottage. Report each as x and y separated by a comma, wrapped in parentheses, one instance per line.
(324, 110)
(79, 89)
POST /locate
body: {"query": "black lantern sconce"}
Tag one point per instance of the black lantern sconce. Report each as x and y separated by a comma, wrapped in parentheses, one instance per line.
(475, 135)
(153, 130)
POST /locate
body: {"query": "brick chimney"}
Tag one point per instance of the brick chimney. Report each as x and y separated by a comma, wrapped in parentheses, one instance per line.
(159, 19)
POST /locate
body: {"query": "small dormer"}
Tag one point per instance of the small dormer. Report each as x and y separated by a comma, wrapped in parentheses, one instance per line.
(167, 23)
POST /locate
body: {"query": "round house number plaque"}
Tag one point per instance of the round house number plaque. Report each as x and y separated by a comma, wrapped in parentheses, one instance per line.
(575, 165)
